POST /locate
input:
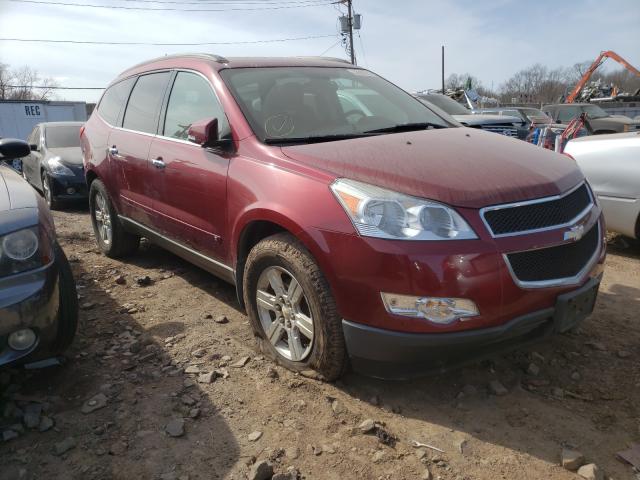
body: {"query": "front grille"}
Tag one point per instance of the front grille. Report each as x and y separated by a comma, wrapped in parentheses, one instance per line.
(541, 214)
(507, 130)
(555, 263)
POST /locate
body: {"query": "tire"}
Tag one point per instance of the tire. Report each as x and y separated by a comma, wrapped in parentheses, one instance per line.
(111, 237)
(47, 192)
(68, 310)
(288, 259)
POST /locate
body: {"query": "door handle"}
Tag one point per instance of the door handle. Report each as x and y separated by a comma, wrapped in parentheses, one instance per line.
(158, 162)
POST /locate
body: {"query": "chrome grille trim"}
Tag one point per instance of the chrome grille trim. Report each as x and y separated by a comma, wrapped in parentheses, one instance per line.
(557, 282)
(573, 221)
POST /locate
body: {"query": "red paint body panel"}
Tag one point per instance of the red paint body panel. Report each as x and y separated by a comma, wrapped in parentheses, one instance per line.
(205, 200)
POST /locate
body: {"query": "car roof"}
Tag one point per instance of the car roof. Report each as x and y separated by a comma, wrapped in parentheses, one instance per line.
(567, 105)
(218, 62)
(60, 124)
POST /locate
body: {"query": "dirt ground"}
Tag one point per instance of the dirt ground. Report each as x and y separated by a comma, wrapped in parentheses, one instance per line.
(136, 345)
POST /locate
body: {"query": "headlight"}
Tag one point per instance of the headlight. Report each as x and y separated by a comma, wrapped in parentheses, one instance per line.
(23, 250)
(381, 213)
(434, 309)
(57, 168)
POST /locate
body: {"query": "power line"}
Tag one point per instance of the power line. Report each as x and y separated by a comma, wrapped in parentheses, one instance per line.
(224, 2)
(173, 9)
(89, 42)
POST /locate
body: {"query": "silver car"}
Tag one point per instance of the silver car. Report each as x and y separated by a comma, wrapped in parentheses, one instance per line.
(611, 163)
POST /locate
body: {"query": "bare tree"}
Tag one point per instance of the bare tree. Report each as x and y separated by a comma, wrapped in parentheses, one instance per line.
(21, 83)
(536, 84)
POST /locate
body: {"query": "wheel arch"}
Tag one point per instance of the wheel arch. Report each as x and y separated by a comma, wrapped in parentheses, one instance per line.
(258, 225)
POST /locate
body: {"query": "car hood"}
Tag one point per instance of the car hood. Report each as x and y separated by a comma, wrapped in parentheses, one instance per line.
(486, 119)
(70, 155)
(18, 202)
(459, 166)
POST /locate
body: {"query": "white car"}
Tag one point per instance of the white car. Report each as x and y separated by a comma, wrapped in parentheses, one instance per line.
(611, 163)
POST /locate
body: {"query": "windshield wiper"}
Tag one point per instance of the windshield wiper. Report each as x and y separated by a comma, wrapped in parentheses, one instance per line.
(407, 127)
(316, 138)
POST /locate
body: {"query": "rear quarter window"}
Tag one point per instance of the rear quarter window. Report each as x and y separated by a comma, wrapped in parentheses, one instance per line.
(113, 100)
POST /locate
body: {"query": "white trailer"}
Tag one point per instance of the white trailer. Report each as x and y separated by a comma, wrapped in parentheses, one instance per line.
(18, 117)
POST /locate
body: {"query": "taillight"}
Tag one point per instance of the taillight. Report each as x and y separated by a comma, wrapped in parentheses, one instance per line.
(82, 130)
(565, 153)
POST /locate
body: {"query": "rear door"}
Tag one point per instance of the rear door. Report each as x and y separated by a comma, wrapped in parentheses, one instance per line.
(189, 194)
(129, 146)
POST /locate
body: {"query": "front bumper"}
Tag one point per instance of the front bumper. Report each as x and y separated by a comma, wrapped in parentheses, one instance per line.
(29, 300)
(67, 187)
(388, 354)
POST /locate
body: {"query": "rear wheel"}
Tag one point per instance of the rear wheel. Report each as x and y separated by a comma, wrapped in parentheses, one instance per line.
(111, 237)
(291, 308)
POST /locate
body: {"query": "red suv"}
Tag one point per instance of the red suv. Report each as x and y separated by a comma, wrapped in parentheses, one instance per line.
(358, 225)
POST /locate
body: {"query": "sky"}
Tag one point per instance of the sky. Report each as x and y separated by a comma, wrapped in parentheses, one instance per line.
(400, 40)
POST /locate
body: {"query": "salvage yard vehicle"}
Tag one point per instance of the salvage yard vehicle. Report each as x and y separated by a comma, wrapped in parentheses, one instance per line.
(600, 122)
(510, 126)
(394, 240)
(38, 299)
(54, 165)
(528, 115)
(611, 163)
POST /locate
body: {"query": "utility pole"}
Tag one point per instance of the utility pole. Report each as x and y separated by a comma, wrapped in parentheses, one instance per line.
(350, 17)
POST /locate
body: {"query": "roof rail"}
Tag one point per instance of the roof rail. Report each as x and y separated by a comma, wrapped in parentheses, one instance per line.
(319, 57)
(204, 56)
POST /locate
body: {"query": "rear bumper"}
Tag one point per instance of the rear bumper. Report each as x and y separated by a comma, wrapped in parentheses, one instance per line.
(388, 354)
(29, 300)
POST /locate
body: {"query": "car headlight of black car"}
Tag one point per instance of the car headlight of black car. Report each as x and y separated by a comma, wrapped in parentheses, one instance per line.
(24, 250)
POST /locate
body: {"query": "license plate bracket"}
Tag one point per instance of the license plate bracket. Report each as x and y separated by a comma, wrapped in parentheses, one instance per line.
(573, 307)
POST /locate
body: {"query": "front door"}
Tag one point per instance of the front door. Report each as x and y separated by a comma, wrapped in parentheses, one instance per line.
(128, 147)
(189, 181)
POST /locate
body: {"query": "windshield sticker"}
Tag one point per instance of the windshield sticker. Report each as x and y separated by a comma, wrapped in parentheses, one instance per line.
(279, 126)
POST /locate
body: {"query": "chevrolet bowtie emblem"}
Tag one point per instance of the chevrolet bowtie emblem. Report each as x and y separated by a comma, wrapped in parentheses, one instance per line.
(575, 233)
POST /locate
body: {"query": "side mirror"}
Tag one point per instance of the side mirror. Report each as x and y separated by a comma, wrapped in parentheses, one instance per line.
(33, 147)
(205, 133)
(11, 148)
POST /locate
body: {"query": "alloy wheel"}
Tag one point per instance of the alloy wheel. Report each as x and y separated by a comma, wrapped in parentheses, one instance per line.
(284, 313)
(102, 218)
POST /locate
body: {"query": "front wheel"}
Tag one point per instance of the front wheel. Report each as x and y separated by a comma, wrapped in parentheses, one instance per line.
(47, 192)
(68, 309)
(111, 237)
(291, 308)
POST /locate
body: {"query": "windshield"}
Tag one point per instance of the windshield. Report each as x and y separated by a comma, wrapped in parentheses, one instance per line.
(447, 104)
(594, 111)
(62, 136)
(283, 103)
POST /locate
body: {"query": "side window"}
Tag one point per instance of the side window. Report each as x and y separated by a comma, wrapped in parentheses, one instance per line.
(144, 103)
(192, 100)
(567, 114)
(114, 99)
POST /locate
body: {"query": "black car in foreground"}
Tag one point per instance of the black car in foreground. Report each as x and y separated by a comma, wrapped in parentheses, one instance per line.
(54, 165)
(38, 300)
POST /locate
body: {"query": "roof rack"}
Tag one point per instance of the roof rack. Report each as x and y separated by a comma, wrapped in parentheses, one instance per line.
(204, 56)
(319, 57)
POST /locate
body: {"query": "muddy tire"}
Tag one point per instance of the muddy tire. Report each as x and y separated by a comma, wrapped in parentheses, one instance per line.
(111, 237)
(68, 310)
(291, 308)
(47, 192)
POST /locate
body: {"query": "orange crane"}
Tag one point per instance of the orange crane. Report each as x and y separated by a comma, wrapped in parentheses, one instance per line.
(594, 66)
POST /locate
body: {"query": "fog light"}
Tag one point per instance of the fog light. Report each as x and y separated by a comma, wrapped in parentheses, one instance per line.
(71, 191)
(22, 339)
(434, 309)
